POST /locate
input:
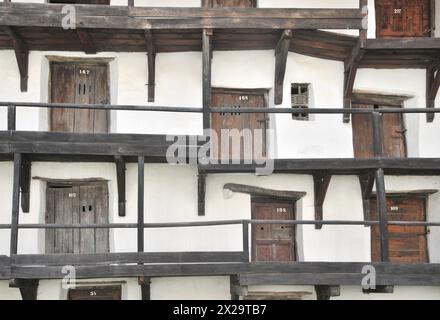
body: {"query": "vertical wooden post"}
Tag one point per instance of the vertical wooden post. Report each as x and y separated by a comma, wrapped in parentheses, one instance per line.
(383, 217)
(207, 57)
(201, 186)
(25, 184)
(246, 240)
(120, 176)
(363, 6)
(15, 203)
(131, 3)
(377, 134)
(141, 188)
(11, 117)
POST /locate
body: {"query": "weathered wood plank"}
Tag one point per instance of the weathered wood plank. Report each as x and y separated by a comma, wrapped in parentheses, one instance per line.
(21, 54)
(257, 191)
(201, 193)
(383, 215)
(120, 177)
(321, 182)
(15, 203)
(86, 41)
(140, 203)
(151, 53)
(206, 72)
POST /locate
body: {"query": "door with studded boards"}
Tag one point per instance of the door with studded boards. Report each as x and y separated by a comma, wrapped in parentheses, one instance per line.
(404, 18)
(77, 204)
(79, 83)
(273, 242)
(240, 135)
(407, 244)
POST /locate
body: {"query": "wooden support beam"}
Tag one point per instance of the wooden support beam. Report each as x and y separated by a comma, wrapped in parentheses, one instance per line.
(131, 3)
(28, 287)
(281, 52)
(363, 33)
(86, 41)
(321, 182)
(15, 202)
(207, 59)
(120, 176)
(21, 54)
(151, 52)
(383, 215)
(432, 87)
(25, 184)
(236, 289)
(141, 188)
(145, 283)
(367, 182)
(326, 292)
(201, 187)
(245, 234)
(12, 117)
(350, 70)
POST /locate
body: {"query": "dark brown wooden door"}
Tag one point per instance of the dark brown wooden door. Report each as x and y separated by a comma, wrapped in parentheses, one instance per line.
(393, 134)
(240, 121)
(95, 293)
(80, 84)
(407, 244)
(403, 18)
(274, 242)
(81, 204)
(233, 3)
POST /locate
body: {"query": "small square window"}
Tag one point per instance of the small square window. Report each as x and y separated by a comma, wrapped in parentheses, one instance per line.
(300, 100)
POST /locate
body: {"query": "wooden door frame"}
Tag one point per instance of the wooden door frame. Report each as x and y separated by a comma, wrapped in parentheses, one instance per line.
(431, 18)
(387, 101)
(263, 199)
(75, 60)
(396, 195)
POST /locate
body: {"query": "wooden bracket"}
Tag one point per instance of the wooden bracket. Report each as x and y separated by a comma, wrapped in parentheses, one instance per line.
(367, 182)
(236, 289)
(120, 175)
(321, 182)
(86, 41)
(326, 292)
(379, 289)
(21, 54)
(432, 87)
(351, 65)
(145, 283)
(281, 52)
(201, 187)
(151, 52)
(25, 184)
(207, 59)
(28, 287)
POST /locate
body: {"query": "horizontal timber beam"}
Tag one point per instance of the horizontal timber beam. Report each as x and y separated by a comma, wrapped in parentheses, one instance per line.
(116, 17)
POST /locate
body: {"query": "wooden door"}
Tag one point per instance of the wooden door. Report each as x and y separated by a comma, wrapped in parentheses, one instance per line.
(232, 3)
(393, 134)
(403, 18)
(241, 121)
(274, 242)
(78, 204)
(95, 293)
(80, 84)
(407, 244)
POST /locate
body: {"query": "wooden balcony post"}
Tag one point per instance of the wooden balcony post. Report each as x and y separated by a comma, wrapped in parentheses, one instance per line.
(141, 175)
(246, 239)
(383, 217)
(131, 3)
(11, 117)
(15, 202)
(207, 57)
